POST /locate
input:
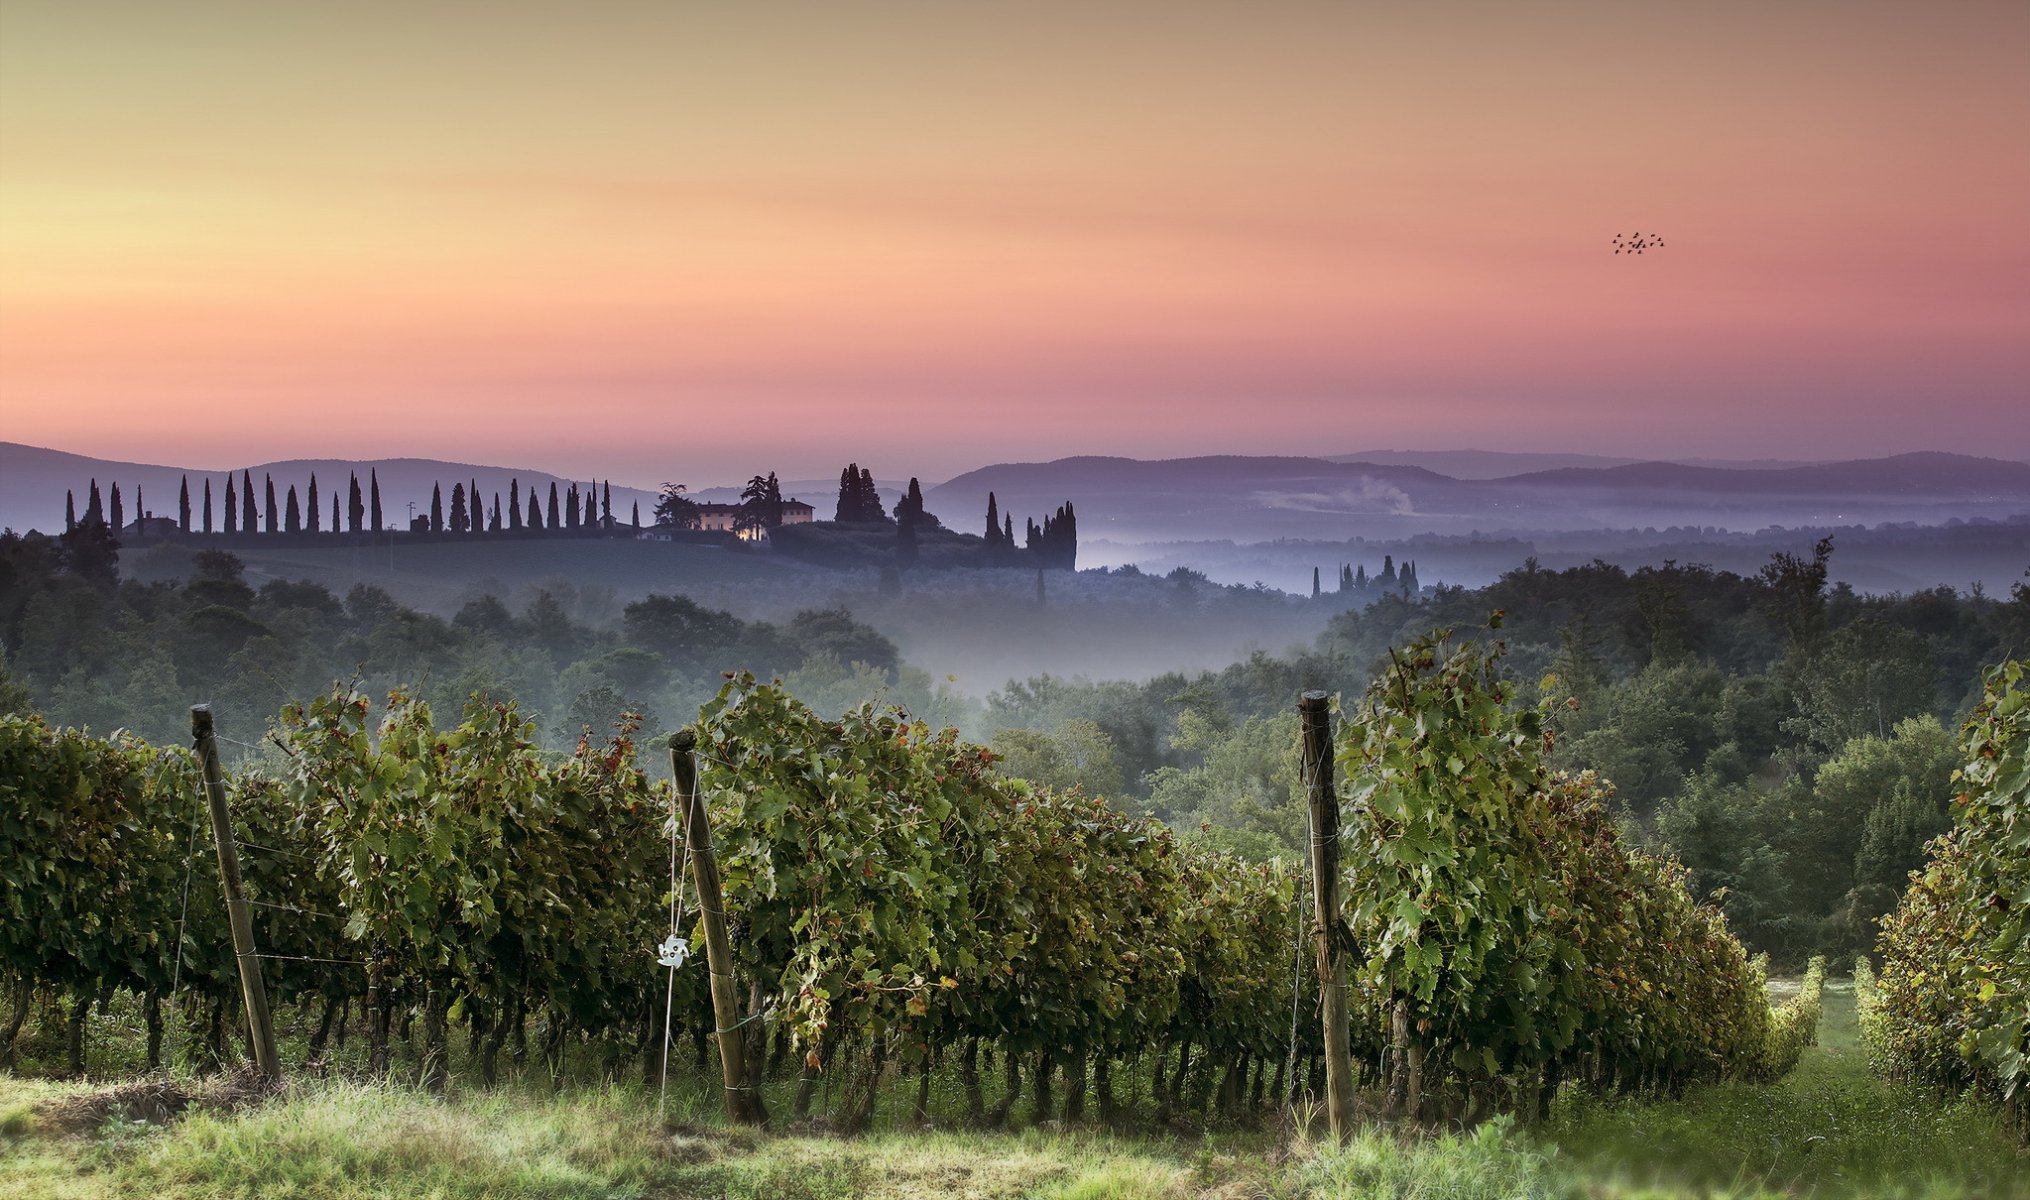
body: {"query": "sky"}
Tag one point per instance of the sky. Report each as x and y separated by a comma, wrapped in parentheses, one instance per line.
(694, 240)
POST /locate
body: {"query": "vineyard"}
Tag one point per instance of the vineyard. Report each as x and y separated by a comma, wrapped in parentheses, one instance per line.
(895, 906)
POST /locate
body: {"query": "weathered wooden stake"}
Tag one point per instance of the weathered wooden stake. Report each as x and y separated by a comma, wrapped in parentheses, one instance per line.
(259, 1023)
(743, 1102)
(1315, 713)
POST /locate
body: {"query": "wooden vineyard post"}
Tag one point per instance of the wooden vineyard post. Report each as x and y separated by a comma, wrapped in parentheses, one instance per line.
(743, 1102)
(1315, 714)
(261, 1026)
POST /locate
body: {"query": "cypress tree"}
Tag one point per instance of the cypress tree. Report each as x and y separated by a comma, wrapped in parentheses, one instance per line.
(1360, 577)
(993, 522)
(606, 504)
(232, 507)
(571, 507)
(1314, 583)
(591, 518)
(207, 506)
(183, 505)
(552, 523)
(637, 515)
(495, 528)
(273, 510)
(514, 505)
(118, 513)
(436, 508)
(1388, 575)
(870, 499)
(461, 520)
(294, 519)
(334, 513)
(247, 516)
(93, 510)
(535, 511)
(475, 508)
(1008, 531)
(355, 507)
(374, 491)
(848, 508)
(310, 503)
(70, 510)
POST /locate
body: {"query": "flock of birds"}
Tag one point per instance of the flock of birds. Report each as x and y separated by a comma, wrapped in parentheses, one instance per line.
(1636, 243)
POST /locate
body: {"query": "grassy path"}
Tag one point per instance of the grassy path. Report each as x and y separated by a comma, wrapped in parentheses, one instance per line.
(1829, 1130)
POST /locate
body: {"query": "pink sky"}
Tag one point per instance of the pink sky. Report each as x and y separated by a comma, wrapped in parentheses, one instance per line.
(669, 241)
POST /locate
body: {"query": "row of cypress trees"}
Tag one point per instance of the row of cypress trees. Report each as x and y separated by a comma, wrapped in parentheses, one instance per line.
(589, 511)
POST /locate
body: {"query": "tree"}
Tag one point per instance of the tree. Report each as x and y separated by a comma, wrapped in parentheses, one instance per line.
(1795, 593)
(1314, 583)
(91, 553)
(460, 523)
(571, 507)
(207, 506)
(293, 521)
(1863, 679)
(274, 510)
(117, 511)
(310, 504)
(675, 510)
(436, 508)
(232, 507)
(606, 504)
(183, 505)
(494, 527)
(761, 502)
(637, 514)
(356, 508)
(913, 501)
(848, 508)
(374, 487)
(514, 504)
(70, 510)
(335, 526)
(993, 522)
(535, 520)
(555, 516)
(870, 498)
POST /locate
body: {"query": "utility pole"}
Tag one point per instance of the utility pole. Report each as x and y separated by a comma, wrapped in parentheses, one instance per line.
(260, 1024)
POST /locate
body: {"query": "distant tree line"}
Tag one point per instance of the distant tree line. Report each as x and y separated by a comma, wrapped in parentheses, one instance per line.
(587, 511)
(1355, 583)
(1052, 544)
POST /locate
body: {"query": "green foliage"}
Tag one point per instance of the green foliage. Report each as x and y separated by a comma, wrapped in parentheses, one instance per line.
(1494, 910)
(1793, 1026)
(1955, 981)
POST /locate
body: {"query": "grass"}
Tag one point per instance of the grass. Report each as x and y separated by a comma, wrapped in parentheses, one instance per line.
(1827, 1130)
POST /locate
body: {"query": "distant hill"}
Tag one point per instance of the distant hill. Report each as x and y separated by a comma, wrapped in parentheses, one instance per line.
(1260, 499)
(1498, 464)
(1236, 497)
(1925, 472)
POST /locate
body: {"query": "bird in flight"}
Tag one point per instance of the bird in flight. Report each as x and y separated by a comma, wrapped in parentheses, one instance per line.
(1636, 243)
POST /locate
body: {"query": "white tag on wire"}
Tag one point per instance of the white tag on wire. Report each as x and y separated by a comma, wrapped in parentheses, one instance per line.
(673, 952)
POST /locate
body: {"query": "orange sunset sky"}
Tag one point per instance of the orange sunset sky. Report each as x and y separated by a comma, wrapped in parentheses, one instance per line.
(689, 240)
